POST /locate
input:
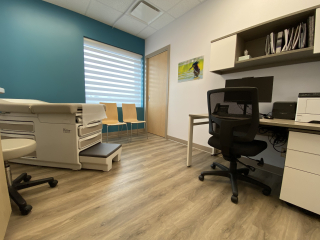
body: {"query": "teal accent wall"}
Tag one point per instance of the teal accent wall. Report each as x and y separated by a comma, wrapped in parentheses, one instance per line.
(41, 50)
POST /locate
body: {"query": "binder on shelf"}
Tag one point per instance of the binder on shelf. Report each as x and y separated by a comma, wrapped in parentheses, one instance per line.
(267, 45)
(279, 42)
(296, 37)
(303, 35)
(272, 43)
(289, 47)
(286, 41)
(311, 31)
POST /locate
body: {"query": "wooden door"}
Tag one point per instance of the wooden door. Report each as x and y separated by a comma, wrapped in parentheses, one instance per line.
(157, 75)
(5, 206)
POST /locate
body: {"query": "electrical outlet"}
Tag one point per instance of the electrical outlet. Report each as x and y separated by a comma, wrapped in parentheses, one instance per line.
(283, 152)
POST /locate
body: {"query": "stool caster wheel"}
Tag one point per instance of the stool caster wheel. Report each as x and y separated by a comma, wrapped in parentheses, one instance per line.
(266, 192)
(26, 209)
(27, 178)
(53, 183)
(201, 177)
(213, 166)
(234, 199)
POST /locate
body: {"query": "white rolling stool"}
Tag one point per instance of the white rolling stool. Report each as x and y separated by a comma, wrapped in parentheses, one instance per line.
(16, 148)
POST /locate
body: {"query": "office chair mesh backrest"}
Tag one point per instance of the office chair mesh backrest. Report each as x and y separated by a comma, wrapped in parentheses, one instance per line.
(236, 112)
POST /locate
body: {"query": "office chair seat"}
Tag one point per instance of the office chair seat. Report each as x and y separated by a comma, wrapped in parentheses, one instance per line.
(241, 148)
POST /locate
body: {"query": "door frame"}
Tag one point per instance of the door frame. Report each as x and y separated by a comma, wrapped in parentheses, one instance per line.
(161, 50)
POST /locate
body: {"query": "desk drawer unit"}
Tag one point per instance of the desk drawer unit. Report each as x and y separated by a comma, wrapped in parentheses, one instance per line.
(301, 189)
(17, 126)
(89, 129)
(301, 176)
(304, 142)
(306, 162)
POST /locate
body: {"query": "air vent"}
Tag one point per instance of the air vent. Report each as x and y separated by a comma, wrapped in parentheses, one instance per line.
(145, 12)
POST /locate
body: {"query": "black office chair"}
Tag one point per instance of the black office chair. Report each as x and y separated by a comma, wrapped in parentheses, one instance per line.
(233, 124)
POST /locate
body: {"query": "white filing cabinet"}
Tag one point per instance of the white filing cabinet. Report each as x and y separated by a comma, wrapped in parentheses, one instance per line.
(301, 177)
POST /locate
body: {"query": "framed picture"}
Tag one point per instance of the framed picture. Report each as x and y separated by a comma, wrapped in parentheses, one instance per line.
(190, 70)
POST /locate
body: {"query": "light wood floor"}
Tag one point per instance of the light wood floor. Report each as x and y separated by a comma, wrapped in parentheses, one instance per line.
(151, 194)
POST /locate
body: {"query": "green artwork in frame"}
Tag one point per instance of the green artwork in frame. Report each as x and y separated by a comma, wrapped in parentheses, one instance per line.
(190, 70)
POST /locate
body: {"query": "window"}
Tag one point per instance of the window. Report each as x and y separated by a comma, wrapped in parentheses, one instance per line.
(112, 74)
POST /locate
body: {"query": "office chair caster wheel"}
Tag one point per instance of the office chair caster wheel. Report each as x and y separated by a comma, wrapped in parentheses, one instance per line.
(201, 177)
(26, 210)
(246, 172)
(53, 183)
(213, 166)
(234, 199)
(266, 192)
(27, 178)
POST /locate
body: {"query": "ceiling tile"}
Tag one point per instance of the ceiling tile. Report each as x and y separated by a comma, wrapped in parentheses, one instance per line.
(120, 5)
(102, 13)
(183, 7)
(130, 25)
(164, 5)
(79, 6)
(163, 20)
(148, 31)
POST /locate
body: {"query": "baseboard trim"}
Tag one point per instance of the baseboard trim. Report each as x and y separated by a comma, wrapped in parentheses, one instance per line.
(194, 145)
(123, 133)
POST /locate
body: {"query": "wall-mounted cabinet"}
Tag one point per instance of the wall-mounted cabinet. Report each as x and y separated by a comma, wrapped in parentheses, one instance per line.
(226, 51)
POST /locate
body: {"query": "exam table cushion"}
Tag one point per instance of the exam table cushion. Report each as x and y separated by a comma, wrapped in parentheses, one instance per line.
(102, 150)
(241, 148)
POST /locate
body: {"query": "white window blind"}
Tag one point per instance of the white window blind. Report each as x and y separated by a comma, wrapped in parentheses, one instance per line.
(112, 74)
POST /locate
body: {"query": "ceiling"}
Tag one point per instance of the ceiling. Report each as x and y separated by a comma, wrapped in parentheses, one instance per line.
(116, 13)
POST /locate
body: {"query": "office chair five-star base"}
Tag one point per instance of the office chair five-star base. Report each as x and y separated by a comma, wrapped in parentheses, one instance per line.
(235, 174)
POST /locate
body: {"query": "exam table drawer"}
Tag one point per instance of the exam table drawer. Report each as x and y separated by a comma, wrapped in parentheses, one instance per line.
(89, 129)
(90, 140)
(17, 126)
(303, 161)
(301, 189)
(304, 142)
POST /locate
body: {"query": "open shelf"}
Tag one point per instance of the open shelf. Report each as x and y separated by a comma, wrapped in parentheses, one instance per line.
(274, 60)
(225, 51)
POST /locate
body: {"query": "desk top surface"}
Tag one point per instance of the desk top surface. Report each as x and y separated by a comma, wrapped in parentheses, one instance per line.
(276, 122)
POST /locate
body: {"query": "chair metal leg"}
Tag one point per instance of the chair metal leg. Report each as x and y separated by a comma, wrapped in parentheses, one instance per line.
(234, 185)
(253, 181)
(107, 133)
(118, 132)
(19, 179)
(131, 133)
(33, 183)
(216, 173)
(222, 167)
(146, 129)
(127, 132)
(137, 129)
(8, 173)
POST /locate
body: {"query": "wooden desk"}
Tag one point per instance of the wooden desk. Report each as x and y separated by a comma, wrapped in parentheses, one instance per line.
(301, 175)
(291, 124)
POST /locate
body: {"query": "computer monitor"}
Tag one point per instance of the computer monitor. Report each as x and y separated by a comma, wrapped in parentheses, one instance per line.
(263, 84)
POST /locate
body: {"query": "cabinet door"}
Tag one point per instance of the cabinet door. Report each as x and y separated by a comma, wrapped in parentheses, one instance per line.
(317, 32)
(223, 53)
(5, 207)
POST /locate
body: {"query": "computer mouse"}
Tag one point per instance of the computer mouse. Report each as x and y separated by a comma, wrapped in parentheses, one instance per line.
(268, 117)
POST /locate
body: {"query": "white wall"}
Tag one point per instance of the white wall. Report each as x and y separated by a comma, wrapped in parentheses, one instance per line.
(190, 36)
